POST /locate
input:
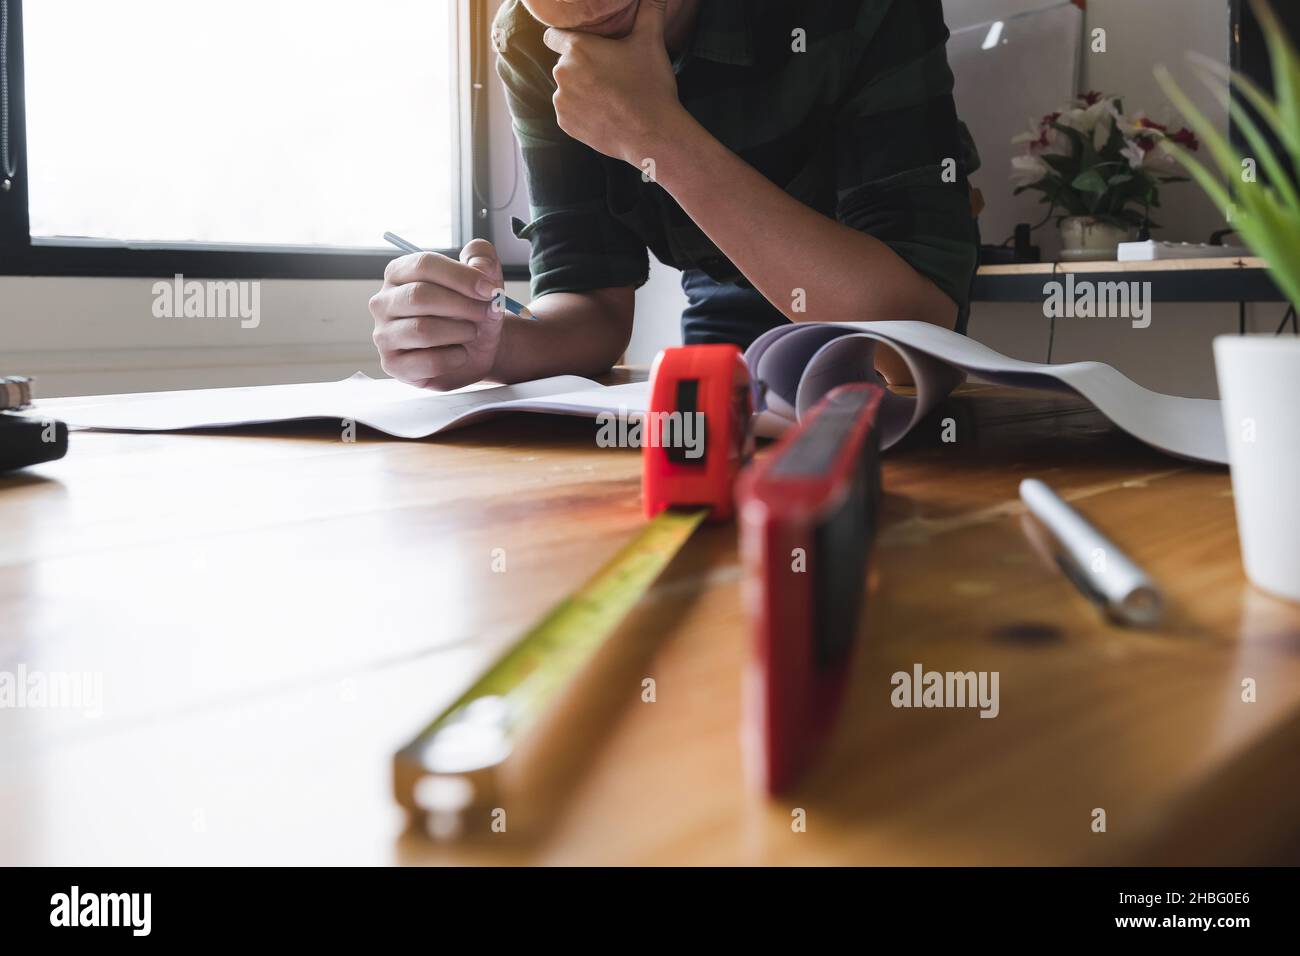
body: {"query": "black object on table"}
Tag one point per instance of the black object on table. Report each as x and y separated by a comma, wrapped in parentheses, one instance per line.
(26, 441)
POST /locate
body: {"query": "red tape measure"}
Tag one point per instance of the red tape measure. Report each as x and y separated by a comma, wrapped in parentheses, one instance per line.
(696, 432)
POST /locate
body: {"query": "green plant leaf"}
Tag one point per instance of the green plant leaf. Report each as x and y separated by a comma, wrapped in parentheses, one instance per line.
(1115, 142)
(1201, 173)
(1090, 182)
(1267, 218)
(1278, 175)
(1216, 143)
(1286, 67)
(1084, 153)
(1268, 109)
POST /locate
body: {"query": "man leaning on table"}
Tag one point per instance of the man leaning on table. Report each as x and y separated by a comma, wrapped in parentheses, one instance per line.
(797, 162)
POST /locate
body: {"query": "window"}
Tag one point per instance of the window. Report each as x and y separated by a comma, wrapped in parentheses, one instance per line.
(234, 137)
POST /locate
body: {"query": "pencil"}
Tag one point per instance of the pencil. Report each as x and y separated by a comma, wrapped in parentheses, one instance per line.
(511, 305)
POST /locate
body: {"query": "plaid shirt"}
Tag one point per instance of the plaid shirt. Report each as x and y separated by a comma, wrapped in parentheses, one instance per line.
(857, 127)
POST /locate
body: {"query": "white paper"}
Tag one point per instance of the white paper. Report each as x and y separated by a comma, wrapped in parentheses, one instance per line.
(387, 405)
(798, 364)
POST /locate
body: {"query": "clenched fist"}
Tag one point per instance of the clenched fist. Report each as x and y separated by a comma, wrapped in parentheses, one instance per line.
(618, 96)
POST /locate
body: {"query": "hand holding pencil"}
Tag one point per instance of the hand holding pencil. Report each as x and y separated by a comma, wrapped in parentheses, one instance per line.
(438, 321)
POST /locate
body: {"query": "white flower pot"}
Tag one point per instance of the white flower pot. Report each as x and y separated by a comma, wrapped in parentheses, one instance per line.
(1084, 239)
(1259, 381)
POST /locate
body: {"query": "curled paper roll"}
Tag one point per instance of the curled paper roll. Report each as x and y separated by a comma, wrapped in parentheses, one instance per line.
(794, 365)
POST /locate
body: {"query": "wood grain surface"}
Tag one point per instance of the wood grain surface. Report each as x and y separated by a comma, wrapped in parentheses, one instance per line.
(273, 611)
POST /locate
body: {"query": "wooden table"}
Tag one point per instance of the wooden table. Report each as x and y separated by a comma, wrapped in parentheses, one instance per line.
(273, 611)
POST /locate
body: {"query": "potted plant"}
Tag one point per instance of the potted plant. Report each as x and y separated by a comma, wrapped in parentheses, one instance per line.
(1259, 375)
(1101, 169)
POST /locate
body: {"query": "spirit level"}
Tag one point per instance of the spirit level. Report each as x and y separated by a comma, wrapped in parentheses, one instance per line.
(807, 524)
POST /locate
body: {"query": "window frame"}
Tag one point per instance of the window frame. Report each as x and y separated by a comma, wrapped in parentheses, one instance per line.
(20, 256)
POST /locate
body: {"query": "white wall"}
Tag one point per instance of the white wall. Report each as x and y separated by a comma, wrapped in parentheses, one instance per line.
(96, 336)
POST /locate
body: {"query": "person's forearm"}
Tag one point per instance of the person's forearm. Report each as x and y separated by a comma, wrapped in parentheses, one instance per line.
(571, 334)
(809, 266)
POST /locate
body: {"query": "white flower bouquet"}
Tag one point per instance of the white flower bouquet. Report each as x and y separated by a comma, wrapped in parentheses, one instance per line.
(1093, 160)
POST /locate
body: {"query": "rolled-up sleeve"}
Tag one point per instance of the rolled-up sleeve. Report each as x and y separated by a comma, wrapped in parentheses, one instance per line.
(576, 243)
(902, 155)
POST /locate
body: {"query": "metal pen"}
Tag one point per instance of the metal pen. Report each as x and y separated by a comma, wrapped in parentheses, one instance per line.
(512, 306)
(1094, 563)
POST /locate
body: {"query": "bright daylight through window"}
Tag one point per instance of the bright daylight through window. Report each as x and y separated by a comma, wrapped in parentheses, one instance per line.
(318, 123)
